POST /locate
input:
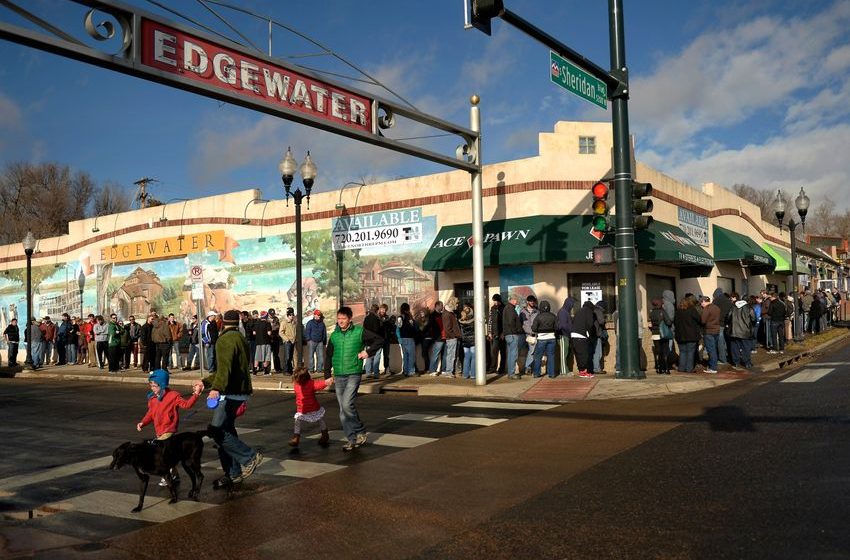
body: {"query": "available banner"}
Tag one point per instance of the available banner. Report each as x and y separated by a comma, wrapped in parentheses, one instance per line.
(400, 227)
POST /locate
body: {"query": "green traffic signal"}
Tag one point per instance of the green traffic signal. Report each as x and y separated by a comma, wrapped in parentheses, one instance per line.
(600, 223)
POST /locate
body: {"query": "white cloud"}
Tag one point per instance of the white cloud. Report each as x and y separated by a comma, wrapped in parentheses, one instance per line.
(724, 76)
(785, 162)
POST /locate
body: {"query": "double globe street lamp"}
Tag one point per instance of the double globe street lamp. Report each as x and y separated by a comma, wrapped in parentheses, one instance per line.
(29, 243)
(288, 167)
(802, 205)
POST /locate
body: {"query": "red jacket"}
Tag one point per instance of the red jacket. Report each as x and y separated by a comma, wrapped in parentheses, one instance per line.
(163, 413)
(305, 395)
(86, 329)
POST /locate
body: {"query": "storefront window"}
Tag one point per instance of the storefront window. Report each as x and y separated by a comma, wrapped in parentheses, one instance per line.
(656, 285)
(726, 284)
(594, 286)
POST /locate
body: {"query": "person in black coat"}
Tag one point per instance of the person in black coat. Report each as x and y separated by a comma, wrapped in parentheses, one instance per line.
(584, 327)
(687, 323)
(544, 326)
(496, 337)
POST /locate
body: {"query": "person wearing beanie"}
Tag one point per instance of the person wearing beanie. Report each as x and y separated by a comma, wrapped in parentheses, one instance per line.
(231, 378)
(162, 409)
(496, 336)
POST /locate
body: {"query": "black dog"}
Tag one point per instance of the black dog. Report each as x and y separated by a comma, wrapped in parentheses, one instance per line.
(160, 457)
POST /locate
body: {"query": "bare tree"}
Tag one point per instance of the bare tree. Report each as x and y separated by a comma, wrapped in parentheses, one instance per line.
(111, 198)
(764, 199)
(41, 198)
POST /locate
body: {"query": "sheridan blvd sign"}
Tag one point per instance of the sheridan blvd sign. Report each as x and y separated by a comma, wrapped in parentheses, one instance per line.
(170, 50)
(574, 79)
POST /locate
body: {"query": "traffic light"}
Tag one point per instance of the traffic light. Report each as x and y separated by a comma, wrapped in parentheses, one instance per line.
(485, 10)
(641, 205)
(600, 206)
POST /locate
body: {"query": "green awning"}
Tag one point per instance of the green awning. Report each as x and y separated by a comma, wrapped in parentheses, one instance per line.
(668, 245)
(540, 239)
(515, 241)
(732, 246)
(783, 260)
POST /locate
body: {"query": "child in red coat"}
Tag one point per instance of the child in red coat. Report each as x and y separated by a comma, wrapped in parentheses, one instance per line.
(307, 407)
(162, 408)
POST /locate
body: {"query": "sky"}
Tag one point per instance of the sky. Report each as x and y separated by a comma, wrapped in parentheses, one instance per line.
(725, 91)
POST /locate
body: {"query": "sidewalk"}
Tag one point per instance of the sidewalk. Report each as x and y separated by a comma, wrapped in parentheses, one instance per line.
(561, 389)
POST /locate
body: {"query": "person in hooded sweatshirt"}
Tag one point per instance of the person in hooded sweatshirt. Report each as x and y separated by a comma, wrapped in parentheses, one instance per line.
(741, 325)
(722, 301)
(584, 324)
(544, 326)
(162, 408)
(668, 304)
(564, 327)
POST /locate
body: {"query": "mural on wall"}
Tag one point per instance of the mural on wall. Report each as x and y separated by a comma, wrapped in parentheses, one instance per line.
(380, 256)
(55, 290)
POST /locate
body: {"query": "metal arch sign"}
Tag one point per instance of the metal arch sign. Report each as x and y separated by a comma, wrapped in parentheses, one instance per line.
(175, 55)
(171, 50)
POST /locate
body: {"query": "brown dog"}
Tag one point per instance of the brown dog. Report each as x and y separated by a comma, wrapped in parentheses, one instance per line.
(159, 458)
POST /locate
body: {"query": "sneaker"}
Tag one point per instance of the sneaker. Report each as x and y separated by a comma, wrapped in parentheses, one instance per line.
(710, 371)
(434, 374)
(585, 374)
(360, 439)
(349, 446)
(772, 352)
(223, 482)
(163, 482)
(248, 470)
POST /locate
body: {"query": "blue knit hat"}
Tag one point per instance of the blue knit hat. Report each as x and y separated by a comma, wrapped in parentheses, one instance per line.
(160, 377)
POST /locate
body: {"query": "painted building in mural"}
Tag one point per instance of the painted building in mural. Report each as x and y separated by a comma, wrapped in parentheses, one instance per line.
(408, 241)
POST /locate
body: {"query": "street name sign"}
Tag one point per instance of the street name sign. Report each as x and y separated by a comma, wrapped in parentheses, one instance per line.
(574, 79)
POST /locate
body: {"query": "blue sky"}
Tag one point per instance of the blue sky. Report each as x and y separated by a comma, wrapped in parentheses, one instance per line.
(726, 91)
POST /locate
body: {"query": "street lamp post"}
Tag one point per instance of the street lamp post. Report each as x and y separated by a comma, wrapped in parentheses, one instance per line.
(81, 282)
(802, 205)
(308, 172)
(29, 246)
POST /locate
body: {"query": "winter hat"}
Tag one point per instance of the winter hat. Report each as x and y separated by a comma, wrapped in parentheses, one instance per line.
(231, 317)
(160, 377)
(212, 314)
(317, 313)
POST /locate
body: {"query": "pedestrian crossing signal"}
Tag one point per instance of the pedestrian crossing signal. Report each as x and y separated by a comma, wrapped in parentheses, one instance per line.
(600, 206)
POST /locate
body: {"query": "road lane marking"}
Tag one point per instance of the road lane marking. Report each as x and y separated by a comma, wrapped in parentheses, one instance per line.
(21, 480)
(388, 440)
(506, 405)
(306, 469)
(808, 375)
(445, 419)
(119, 504)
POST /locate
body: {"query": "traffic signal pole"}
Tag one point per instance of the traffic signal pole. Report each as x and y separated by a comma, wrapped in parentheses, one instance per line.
(624, 239)
(617, 82)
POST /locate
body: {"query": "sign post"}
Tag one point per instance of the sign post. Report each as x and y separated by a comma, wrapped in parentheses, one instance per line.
(196, 273)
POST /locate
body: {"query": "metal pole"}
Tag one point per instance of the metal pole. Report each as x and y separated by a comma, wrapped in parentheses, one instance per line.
(81, 304)
(27, 323)
(339, 255)
(798, 311)
(480, 296)
(299, 304)
(624, 249)
(199, 309)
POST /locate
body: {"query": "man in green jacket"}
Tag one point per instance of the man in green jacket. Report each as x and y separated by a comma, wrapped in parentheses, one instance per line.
(231, 380)
(347, 347)
(113, 352)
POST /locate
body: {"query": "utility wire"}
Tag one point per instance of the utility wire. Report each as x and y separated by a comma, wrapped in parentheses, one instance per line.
(227, 23)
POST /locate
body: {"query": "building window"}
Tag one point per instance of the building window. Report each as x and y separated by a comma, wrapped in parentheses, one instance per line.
(587, 144)
(593, 286)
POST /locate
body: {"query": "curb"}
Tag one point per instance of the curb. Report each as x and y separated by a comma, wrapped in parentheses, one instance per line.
(793, 358)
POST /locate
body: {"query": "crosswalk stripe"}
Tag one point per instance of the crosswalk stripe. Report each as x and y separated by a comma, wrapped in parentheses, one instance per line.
(306, 469)
(505, 405)
(808, 375)
(446, 419)
(20, 480)
(118, 504)
(388, 440)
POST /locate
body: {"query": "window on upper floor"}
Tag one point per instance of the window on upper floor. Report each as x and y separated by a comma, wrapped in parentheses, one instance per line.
(587, 144)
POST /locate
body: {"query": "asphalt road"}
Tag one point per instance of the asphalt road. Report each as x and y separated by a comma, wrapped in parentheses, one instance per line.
(756, 469)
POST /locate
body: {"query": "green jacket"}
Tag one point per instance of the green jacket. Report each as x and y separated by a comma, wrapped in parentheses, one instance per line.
(231, 375)
(343, 347)
(113, 334)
